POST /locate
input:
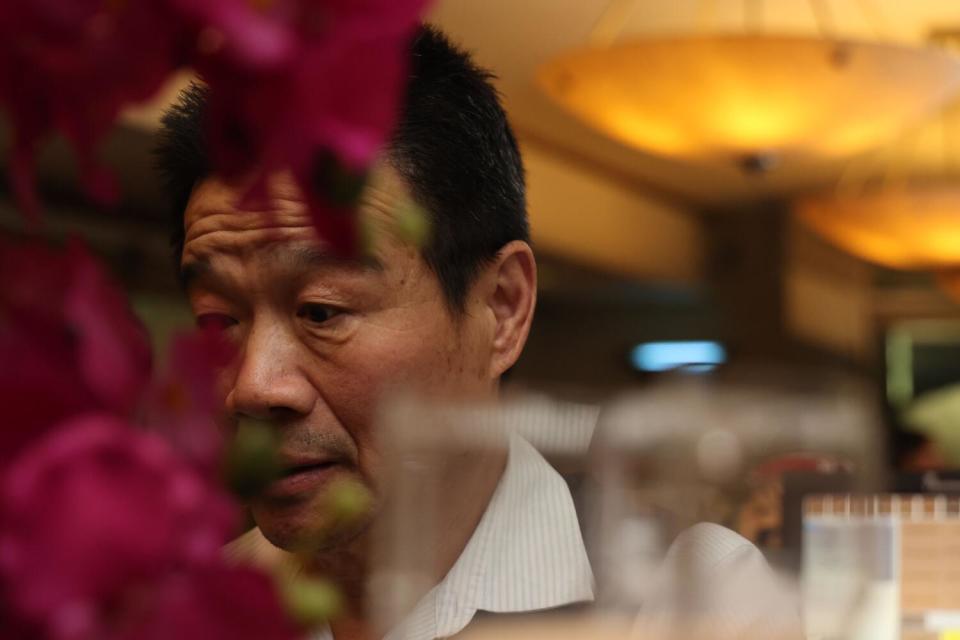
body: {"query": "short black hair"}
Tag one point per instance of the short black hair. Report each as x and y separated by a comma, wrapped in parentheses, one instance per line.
(452, 146)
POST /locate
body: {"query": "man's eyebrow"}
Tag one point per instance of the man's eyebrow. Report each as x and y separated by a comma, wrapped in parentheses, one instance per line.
(192, 271)
(305, 257)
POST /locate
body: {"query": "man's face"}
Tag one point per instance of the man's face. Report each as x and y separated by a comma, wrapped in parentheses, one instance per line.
(319, 339)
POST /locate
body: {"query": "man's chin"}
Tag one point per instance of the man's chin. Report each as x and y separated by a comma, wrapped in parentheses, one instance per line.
(307, 533)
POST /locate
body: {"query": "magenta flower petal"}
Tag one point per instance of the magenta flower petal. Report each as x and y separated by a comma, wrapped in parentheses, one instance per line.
(71, 65)
(113, 350)
(184, 402)
(250, 37)
(213, 603)
(39, 384)
(94, 508)
(69, 341)
(338, 92)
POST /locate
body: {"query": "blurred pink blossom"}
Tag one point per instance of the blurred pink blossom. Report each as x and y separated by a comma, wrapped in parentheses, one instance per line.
(108, 531)
(70, 65)
(329, 83)
(211, 603)
(68, 340)
(247, 35)
(184, 401)
(91, 511)
(113, 352)
(293, 82)
(290, 78)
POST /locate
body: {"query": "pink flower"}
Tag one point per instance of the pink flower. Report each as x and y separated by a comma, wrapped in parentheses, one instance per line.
(184, 402)
(113, 352)
(212, 603)
(94, 510)
(68, 340)
(70, 65)
(38, 385)
(325, 82)
(363, 63)
(248, 35)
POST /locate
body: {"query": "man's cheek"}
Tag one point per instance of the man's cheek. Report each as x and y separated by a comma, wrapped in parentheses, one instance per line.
(406, 361)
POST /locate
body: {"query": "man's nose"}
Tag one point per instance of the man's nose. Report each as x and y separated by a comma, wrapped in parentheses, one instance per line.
(270, 383)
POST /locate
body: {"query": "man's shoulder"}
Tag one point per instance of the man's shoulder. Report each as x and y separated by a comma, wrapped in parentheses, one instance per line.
(714, 577)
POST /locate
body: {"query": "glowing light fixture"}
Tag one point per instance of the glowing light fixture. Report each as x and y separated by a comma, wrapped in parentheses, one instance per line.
(908, 226)
(910, 217)
(697, 356)
(753, 99)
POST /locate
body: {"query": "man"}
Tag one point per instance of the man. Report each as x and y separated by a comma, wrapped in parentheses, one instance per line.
(320, 339)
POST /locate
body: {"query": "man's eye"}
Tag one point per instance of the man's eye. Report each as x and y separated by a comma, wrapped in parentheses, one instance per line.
(317, 313)
(218, 321)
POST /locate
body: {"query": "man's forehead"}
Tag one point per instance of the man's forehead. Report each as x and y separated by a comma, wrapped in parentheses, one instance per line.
(218, 222)
(217, 205)
(384, 193)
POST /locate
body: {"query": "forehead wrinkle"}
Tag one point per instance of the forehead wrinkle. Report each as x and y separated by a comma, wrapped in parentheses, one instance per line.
(202, 222)
(378, 207)
(214, 225)
(202, 250)
(381, 197)
(244, 241)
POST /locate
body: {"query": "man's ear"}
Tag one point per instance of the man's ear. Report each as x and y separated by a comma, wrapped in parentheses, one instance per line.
(511, 298)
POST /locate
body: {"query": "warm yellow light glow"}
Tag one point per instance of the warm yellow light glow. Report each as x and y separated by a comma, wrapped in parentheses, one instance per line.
(909, 227)
(733, 96)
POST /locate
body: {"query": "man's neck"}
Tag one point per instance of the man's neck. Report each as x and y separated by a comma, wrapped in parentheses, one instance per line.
(462, 503)
(462, 497)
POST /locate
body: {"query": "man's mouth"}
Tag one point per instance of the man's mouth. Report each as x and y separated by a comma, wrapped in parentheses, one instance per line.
(307, 467)
(287, 471)
(302, 476)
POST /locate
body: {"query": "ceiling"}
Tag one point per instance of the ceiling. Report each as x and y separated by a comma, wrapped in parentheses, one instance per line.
(514, 37)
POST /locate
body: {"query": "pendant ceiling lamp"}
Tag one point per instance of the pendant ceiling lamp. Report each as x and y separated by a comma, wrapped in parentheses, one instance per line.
(913, 226)
(754, 99)
(899, 207)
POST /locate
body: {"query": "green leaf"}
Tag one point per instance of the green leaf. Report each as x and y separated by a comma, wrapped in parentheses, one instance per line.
(251, 458)
(348, 500)
(312, 601)
(412, 224)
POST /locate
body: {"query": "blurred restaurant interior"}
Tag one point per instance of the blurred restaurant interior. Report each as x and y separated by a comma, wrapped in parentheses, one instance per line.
(791, 210)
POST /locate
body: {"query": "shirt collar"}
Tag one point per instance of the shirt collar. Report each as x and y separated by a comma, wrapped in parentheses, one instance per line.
(527, 554)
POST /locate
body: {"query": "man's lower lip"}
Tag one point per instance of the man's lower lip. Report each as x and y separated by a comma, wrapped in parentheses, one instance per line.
(301, 481)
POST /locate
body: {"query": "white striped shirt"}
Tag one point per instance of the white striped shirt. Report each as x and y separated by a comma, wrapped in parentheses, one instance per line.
(526, 554)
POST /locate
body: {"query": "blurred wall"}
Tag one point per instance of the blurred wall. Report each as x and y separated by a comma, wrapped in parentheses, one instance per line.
(596, 219)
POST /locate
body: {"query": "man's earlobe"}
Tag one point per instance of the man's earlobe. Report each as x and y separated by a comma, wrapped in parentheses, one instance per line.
(513, 297)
